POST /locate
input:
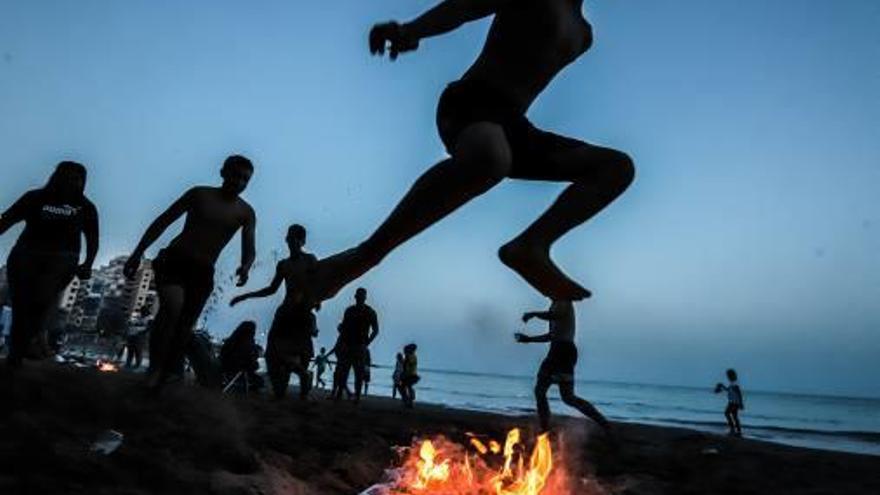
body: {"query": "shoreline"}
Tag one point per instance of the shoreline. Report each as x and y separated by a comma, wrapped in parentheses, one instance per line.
(189, 440)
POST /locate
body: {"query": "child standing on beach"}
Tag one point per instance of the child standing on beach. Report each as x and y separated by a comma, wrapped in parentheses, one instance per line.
(558, 366)
(734, 403)
(410, 375)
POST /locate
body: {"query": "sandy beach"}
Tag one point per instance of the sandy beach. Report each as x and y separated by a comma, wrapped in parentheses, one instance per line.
(188, 440)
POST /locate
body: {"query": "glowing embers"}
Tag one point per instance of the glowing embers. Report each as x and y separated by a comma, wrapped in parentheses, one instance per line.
(106, 366)
(440, 467)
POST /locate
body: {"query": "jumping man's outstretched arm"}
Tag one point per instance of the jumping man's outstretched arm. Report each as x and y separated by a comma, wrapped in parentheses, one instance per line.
(264, 292)
(162, 222)
(248, 251)
(449, 15)
(443, 18)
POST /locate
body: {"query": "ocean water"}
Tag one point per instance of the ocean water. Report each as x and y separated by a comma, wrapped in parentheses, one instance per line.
(824, 422)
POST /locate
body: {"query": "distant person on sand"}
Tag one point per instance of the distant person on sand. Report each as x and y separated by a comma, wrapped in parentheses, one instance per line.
(558, 366)
(482, 122)
(45, 257)
(410, 375)
(368, 363)
(359, 328)
(185, 269)
(322, 362)
(397, 376)
(735, 403)
(289, 347)
(340, 383)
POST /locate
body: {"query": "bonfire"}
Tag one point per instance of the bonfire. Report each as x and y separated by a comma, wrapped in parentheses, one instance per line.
(106, 366)
(438, 466)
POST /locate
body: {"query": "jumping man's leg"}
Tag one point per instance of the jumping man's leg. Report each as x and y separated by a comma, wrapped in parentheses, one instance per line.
(481, 159)
(598, 175)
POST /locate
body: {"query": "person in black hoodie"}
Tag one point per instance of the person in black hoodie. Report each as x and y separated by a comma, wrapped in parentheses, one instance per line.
(46, 255)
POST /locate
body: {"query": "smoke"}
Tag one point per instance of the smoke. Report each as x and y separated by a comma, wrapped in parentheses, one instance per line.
(489, 320)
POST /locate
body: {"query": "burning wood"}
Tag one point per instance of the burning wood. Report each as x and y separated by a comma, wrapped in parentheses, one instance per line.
(106, 366)
(439, 466)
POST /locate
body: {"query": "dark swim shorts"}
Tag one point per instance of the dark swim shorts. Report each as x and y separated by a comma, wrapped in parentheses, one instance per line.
(465, 102)
(559, 364)
(197, 280)
(291, 334)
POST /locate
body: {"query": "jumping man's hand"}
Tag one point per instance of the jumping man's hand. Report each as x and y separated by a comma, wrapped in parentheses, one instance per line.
(393, 36)
(235, 300)
(520, 337)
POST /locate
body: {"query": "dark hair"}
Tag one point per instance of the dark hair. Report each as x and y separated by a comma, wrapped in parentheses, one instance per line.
(410, 348)
(62, 169)
(237, 161)
(360, 290)
(731, 374)
(296, 231)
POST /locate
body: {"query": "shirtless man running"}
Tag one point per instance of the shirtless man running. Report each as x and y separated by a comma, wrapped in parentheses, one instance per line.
(558, 366)
(482, 121)
(185, 269)
(289, 346)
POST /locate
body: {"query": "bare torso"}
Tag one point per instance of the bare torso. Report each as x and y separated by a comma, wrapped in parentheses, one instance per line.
(297, 271)
(212, 218)
(562, 326)
(529, 42)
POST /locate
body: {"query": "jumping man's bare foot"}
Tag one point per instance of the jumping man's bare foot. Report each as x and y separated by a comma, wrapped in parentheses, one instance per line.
(335, 272)
(533, 264)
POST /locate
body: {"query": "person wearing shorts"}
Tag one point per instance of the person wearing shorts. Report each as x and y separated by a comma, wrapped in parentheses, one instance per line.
(558, 367)
(289, 347)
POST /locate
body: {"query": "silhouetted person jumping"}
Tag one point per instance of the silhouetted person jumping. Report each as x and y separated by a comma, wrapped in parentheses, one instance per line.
(185, 269)
(45, 257)
(359, 328)
(482, 121)
(558, 366)
(735, 403)
(289, 344)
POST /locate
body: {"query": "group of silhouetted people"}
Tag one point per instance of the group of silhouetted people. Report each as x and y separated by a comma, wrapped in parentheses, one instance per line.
(481, 120)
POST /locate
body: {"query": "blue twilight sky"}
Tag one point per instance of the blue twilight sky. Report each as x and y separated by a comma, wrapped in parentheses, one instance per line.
(751, 237)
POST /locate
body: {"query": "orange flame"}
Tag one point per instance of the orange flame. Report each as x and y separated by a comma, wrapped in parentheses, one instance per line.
(442, 467)
(106, 366)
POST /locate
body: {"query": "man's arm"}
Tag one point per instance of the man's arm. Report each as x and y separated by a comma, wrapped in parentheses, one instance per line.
(90, 231)
(264, 292)
(443, 18)
(248, 250)
(449, 15)
(541, 315)
(529, 339)
(162, 222)
(374, 328)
